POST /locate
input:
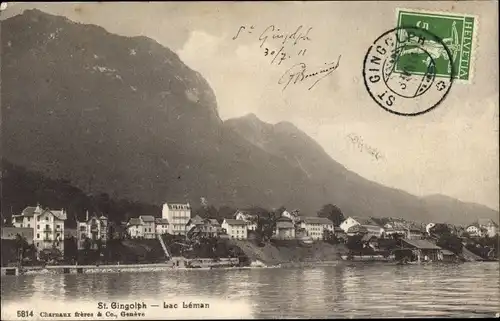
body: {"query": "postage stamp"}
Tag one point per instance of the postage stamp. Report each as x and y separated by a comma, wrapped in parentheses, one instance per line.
(415, 88)
(457, 33)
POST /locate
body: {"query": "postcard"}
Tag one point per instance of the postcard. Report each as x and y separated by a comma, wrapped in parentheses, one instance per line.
(249, 160)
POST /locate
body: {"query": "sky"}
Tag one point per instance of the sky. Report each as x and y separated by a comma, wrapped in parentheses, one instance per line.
(452, 150)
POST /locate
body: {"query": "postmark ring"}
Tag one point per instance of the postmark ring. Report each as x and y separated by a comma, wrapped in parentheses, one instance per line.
(407, 92)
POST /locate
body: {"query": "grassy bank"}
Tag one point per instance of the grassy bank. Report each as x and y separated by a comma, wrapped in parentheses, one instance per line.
(285, 252)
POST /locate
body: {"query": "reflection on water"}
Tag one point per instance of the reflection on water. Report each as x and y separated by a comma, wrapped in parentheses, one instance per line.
(371, 290)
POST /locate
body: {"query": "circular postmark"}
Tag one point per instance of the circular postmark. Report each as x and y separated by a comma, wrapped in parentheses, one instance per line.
(401, 69)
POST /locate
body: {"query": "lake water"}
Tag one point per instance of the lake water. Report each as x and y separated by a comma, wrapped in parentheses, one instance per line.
(342, 291)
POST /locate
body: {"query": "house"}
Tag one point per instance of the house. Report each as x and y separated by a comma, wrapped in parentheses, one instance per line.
(390, 230)
(135, 228)
(95, 228)
(415, 233)
(474, 230)
(47, 225)
(314, 226)
(423, 250)
(213, 222)
(206, 229)
(177, 215)
(410, 230)
(293, 215)
(285, 229)
(447, 256)
(489, 225)
(194, 221)
(369, 241)
(211, 227)
(339, 233)
(203, 227)
(10, 233)
(369, 224)
(356, 229)
(236, 229)
(161, 226)
(250, 216)
(148, 226)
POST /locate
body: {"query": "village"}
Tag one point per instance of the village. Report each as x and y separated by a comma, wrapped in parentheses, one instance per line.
(39, 235)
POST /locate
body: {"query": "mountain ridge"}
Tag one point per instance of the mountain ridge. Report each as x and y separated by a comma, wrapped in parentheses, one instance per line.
(125, 116)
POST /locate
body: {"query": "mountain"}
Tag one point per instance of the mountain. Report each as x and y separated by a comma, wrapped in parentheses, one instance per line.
(125, 116)
(453, 210)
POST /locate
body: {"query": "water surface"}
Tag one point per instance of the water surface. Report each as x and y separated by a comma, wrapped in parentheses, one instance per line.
(342, 291)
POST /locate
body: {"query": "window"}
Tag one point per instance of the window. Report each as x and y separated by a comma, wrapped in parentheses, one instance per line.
(58, 234)
(38, 227)
(46, 226)
(58, 226)
(28, 225)
(21, 225)
(37, 236)
(29, 219)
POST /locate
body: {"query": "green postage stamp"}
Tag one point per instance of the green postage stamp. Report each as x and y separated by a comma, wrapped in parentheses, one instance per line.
(457, 33)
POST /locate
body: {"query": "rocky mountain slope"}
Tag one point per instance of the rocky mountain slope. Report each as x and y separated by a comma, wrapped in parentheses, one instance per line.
(127, 117)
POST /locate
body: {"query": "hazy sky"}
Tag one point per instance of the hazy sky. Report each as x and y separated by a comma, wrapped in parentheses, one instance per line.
(452, 150)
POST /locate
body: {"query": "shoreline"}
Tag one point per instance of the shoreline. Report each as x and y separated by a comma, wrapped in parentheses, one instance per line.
(161, 267)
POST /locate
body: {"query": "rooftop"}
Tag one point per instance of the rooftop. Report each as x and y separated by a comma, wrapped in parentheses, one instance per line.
(213, 221)
(315, 220)
(147, 218)
(422, 244)
(231, 221)
(284, 224)
(160, 220)
(364, 220)
(134, 221)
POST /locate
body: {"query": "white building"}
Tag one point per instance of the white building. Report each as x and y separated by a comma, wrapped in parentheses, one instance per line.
(148, 226)
(315, 226)
(371, 226)
(135, 228)
(95, 228)
(249, 217)
(236, 229)
(47, 225)
(428, 227)
(177, 215)
(474, 230)
(489, 226)
(161, 226)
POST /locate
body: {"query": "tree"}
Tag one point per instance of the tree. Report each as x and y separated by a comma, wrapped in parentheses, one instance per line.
(21, 246)
(333, 213)
(207, 212)
(450, 242)
(440, 229)
(266, 225)
(71, 249)
(354, 243)
(226, 212)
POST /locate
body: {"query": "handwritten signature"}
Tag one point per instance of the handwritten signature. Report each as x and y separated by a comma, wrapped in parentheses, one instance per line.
(358, 141)
(299, 73)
